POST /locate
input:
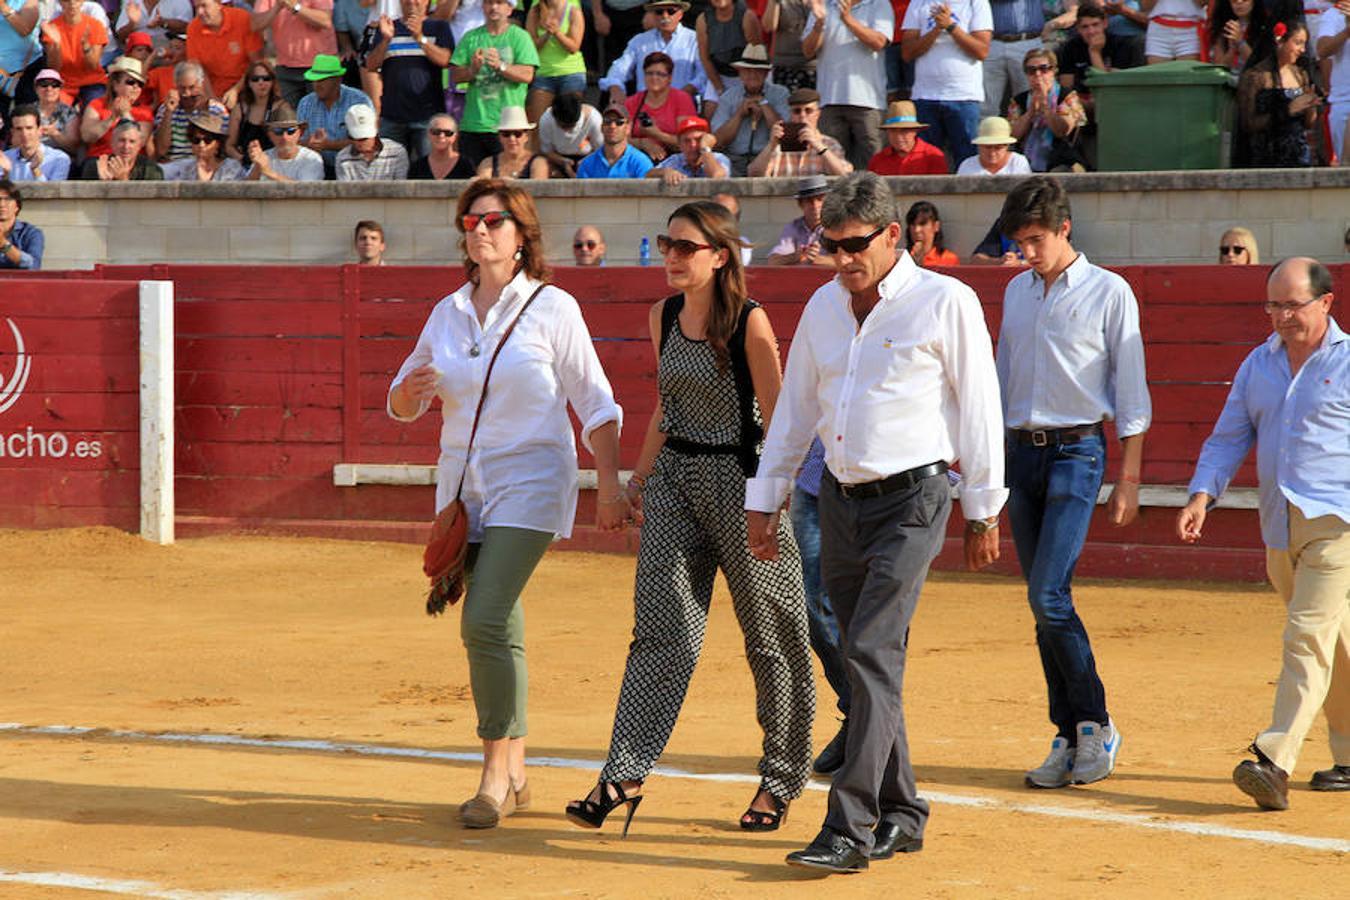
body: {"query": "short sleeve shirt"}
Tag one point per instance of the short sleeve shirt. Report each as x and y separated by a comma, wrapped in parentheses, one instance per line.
(579, 140)
(224, 53)
(633, 164)
(75, 71)
(306, 166)
(413, 90)
(489, 92)
(946, 72)
(847, 73)
(17, 51)
(297, 41)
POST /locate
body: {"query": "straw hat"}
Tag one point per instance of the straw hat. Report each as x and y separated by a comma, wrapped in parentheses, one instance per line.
(128, 65)
(513, 119)
(902, 114)
(994, 130)
(754, 56)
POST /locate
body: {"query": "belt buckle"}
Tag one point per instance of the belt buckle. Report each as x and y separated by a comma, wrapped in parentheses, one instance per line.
(1039, 439)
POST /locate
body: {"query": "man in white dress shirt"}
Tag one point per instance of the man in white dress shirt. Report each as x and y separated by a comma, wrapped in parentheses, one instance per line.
(1069, 357)
(892, 367)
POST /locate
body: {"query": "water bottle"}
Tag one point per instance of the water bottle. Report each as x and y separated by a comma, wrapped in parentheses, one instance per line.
(645, 252)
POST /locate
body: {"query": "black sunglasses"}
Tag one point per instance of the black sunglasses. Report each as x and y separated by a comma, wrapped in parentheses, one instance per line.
(511, 132)
(665, 11)
(850, 244)
(202, 137)
(1043, 67)
(1234, 250)
(260, 78)
(441, 132)
(680, 247)
(585, 245)
(290, 129)
(47, 82)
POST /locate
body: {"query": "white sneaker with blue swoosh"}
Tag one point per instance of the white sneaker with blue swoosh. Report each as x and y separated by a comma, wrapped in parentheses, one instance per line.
(1057, 770)
(1098, 746)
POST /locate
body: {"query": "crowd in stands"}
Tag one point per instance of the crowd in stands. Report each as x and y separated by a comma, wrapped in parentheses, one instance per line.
(391, 89)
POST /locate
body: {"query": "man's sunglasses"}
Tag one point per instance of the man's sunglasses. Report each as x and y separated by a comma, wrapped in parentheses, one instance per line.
(47, 83)
(511, 133)
(493, 219)
(260, 78)
(585, 245)
(683, 249)
(1234, 250)
(667, 11)
(850, 244)
(290, 129)
(1042, 67)
(202, 138)
(441, 132)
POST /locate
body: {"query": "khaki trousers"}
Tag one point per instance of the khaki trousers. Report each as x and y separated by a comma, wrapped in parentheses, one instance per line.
(1313, 578)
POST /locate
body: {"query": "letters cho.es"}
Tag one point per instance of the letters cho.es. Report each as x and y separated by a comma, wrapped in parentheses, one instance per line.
(16, 364)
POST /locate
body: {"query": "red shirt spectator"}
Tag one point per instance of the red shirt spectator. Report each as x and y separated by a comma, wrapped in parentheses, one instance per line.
(222, 39)
(905, 152)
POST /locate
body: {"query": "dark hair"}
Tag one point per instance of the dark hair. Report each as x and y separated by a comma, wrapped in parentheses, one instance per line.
(246, 95)
(27, 109)
(928, 213)
(367, 225)
(1039, 200)
(520, 205)
(1265, 44)
(719, 228)
(566, 109)
(1257, 24)
(1319, 276)
(1090, 10)
(658, 57)
(8, 187)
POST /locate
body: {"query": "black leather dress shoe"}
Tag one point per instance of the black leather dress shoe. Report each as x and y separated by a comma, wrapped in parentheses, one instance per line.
(832, 757)
(1337, 778)
(1263, 781)
(830, 852)
(892, 839)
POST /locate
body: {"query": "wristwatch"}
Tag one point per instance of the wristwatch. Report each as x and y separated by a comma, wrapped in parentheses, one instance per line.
(980, 526)
(951, 26)
(424, 40)
(4, 248)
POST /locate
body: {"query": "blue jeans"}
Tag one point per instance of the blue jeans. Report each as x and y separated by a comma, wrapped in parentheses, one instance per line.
(412, 135)
(1053, 494)
(952, 125)
(820, 620)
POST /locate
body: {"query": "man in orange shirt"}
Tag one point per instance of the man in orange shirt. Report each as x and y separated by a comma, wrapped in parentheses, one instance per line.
(905, 152)
(222, 39)
(74, 43)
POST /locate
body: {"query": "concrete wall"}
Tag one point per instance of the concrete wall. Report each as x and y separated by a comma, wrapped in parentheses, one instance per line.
(1119, 218)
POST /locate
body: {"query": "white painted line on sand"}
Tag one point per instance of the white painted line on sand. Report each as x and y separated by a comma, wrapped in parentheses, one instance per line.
(131, 888)
(1134, 820)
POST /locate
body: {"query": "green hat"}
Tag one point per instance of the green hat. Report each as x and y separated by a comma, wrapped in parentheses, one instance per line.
(326, 65)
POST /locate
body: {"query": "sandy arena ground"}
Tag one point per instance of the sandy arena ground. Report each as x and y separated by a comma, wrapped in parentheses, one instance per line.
(286, 639)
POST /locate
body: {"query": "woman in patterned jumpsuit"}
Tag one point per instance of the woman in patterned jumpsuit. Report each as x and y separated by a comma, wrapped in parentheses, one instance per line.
(717, 368)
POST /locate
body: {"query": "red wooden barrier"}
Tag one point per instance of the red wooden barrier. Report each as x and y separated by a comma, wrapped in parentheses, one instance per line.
(69, 404)
(282, 372)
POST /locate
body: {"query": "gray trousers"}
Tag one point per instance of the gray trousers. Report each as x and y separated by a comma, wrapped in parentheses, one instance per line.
(874, 556)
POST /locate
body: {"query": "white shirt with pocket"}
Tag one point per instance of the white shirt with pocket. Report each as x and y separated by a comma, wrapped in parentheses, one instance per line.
(522, 472)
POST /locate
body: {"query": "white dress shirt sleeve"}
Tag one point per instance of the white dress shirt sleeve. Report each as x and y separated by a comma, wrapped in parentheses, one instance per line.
(796, 416)
(420, 356)
(622, 68)
(1134, 408)
(579, 371)
(971, 375)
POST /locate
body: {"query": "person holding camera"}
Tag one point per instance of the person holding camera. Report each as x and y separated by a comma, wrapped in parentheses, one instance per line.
(749, 109)
(656, 110)
(796, 146)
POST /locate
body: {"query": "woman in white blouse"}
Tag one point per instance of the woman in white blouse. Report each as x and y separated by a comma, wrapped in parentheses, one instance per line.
(520, 487)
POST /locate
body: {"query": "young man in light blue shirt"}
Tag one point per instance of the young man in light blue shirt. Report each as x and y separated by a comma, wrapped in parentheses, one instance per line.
(616, 158)
(1070, 357)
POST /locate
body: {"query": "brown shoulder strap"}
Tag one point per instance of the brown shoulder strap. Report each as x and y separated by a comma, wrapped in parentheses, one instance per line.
(482, 397)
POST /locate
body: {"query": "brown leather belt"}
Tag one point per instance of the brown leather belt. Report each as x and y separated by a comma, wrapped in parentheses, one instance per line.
(1048, 437)
(1016, 36)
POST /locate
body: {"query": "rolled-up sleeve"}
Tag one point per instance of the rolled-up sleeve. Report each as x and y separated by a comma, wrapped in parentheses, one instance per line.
(969, 357)
(579, 371)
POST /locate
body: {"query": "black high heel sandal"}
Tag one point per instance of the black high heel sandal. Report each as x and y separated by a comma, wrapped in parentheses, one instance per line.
(592, 813)
(758, 820)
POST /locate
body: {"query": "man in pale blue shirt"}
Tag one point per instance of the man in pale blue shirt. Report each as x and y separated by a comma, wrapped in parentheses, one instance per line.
(669, 37)
(29, 159)
(1291, 396)
(696, 158)
(1070, 357)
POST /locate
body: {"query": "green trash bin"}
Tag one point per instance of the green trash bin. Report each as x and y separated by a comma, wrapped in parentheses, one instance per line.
(1175, 115)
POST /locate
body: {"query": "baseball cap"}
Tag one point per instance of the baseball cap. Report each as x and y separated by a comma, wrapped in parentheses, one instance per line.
(360, 122)
(138, 39)
(691, 123)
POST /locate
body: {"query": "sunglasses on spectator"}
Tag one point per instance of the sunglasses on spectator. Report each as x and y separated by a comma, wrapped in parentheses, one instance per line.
(850, 244)
(513, 133)
(680, 247)
(585, 245)
(613, 120)
(123, 79)
(1234, 250)
(493, 219)
(441, 132)
(1038, 68)
(1294, 307)
(201, 137)
(257, 79)
(665, 11)
(288, 130)
(47, 83)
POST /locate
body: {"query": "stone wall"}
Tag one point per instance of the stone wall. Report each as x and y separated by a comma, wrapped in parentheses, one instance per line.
(1119, 218)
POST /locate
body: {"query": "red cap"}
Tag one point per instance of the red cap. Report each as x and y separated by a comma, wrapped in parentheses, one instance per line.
(691, 123)
(138, 39)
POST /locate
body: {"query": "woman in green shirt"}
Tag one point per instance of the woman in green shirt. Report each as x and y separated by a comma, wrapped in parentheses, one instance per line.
(557, 28)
